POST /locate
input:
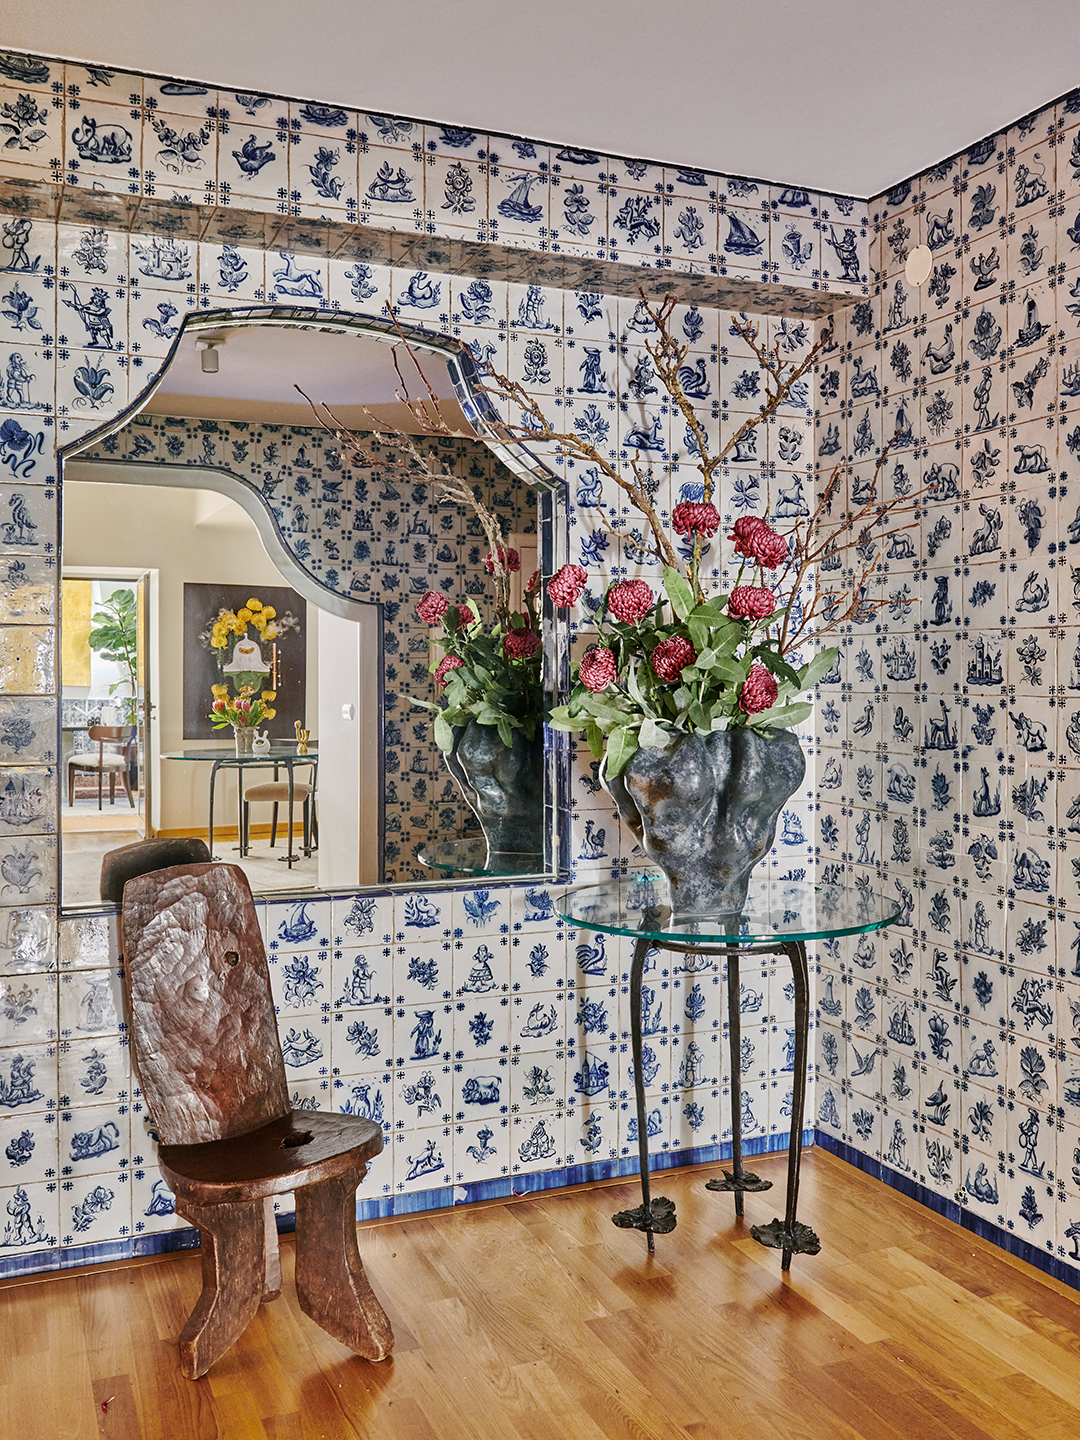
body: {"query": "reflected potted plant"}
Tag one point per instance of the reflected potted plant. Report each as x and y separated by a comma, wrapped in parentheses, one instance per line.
(490, 722)
(489, 715)
(244, 713)
(115, 637)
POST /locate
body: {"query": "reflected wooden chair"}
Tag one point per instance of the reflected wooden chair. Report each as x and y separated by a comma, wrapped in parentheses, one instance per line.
(205, 1047)
(115, 754)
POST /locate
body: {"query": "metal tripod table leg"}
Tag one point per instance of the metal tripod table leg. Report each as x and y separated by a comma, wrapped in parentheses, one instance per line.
(653, 1216)
(788, 1235)
(736, 1180)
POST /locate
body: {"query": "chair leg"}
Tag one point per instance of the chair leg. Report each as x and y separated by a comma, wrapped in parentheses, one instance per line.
(126, 778)
(330, 1281)
(272, 1272)
(71, 786)
(245, 827)
(307, 827)
(100, 778)
(273, 826)
(234, 1270)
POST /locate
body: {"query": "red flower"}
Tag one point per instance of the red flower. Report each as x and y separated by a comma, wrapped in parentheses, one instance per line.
(466, 616)
(751, 602)
(690, 519)
(567, 586)
(534, 582)
(772, 549)
(670, 656)
(432, 606)
(759, 690)
(754, 539)
(508, 559)
(630, 600)
(597, 668)
(445, 665)
(520, 644)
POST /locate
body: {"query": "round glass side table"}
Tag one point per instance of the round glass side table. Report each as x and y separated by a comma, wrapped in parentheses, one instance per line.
(779, 917)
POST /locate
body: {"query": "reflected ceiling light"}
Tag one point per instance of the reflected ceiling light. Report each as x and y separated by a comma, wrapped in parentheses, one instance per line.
(208, 356)
(919, 264)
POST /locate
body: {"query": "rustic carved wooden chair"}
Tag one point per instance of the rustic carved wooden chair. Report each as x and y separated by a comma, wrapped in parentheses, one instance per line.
(205, 1047)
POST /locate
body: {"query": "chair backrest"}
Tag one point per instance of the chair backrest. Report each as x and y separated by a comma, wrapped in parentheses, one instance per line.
(204, 1039)
(121, 737)
(123, 864)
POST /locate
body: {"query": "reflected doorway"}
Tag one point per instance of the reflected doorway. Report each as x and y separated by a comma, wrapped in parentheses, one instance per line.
(105, 776)
(183, 539)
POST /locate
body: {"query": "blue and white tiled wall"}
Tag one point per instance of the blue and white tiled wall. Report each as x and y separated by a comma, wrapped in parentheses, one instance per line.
(948, 768)
(492, 1043)
(358, 530)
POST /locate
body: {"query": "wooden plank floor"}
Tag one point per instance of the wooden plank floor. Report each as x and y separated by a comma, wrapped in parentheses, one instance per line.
(538, 1319)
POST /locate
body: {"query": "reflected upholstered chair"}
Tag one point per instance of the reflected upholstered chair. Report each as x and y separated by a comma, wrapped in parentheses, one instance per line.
(114, 756)
(276, 793)
(205, 1047)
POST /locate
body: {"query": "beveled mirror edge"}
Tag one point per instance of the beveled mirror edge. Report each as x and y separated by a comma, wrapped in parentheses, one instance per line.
(552, 542)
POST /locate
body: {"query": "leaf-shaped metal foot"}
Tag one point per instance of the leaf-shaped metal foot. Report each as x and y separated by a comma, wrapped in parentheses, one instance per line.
(746, 1181)
(659, 1219)
(799, 1240)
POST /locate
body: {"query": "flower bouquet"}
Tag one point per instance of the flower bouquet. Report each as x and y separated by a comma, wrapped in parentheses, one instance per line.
(244, 713)
(689, 697)
(489, 672)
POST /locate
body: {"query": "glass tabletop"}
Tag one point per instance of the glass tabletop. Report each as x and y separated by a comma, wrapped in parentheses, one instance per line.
(775, 910)
(275, 755)
(470, 856)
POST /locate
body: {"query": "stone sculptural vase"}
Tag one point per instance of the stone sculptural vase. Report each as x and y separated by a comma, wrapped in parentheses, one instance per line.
(245, 738)
(503, 785)
(705, 810)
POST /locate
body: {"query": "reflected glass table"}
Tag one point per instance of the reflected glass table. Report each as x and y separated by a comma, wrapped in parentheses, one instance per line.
(471, 856)
(779, 917)
(280, 753)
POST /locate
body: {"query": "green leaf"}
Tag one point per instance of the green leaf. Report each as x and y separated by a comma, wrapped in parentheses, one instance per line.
(594, 738)
(678, 592)
(506, 735)
(621, 745)
(444, 735)
(783, 717)
(653, 736)
(421, 704)
(779, 667)
(699, 638)
(820, 665)
(633, 684)
(734, 672)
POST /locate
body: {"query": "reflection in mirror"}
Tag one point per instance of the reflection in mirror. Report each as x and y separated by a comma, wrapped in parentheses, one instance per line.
(221, 496)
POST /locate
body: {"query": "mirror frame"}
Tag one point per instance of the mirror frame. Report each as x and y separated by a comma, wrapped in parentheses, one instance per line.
(552, 543)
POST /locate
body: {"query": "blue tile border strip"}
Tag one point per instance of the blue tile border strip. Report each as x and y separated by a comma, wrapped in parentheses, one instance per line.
(423, 1201)
(1003, 1239)
(388, 1206)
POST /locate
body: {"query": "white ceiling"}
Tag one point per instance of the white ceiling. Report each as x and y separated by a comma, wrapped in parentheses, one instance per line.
(836, 95)
(259, 368)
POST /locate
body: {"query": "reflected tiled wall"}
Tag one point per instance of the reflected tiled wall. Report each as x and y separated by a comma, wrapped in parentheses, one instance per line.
(363, 531)
(949, 762)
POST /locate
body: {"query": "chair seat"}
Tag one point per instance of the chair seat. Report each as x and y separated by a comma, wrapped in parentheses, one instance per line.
(276, 790)
(91, 762)
(272, 1160)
